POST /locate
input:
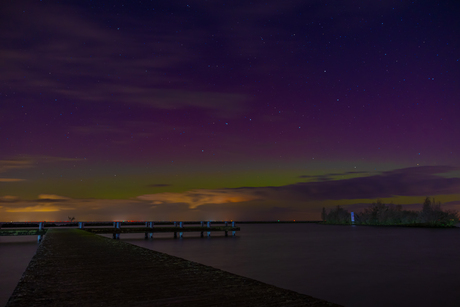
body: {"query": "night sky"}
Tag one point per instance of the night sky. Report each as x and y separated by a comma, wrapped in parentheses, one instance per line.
(236, 110)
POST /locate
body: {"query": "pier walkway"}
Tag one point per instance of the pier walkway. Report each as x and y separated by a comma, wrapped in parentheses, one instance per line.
(73, 267)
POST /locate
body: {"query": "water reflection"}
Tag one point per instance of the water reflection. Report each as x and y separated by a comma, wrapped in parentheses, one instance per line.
(15, 255)
(352, 266)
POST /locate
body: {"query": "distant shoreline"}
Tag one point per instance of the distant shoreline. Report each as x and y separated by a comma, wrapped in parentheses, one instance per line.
(418, 225)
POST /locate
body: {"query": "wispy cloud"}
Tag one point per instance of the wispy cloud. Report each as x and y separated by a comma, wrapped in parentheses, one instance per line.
(133, 73)
(38, 208)
(11, 179)
(46, 203)
(13, 164)
(9, 199)
(12, 169)
(195, 198)
(10, 165)
(330, 176)
(51, 197)
(417, 181)
(159, 185)
(29, 161)
(298, 200)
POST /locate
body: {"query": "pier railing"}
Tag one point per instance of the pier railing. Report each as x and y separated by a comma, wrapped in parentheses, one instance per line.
(146, 227)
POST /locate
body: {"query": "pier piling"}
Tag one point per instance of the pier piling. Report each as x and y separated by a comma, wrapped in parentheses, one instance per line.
(116, 235)
(41, 226)
(149, 235)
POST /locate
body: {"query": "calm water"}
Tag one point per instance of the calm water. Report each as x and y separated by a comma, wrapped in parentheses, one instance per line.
(15, 255)
(352, 266)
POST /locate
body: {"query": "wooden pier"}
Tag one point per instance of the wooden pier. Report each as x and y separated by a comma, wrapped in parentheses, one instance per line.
(117, 229)
(73, 267)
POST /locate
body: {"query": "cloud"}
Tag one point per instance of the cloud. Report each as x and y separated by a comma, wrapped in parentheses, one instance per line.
(47, 203)
(9, 165)
(294, 201)
(195, 198)
(38, 208)
(11, 180)
(51, 198)
(173, 99)
(63, 39)
(13, 164)
(9, 199)
(82, 209)
(27, 161)
(416, 181)
(330, 176)
(159, 185)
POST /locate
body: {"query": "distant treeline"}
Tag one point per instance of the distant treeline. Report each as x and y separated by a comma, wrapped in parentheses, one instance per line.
(381, 214)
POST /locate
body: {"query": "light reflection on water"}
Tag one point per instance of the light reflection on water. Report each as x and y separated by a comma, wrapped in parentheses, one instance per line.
(352, 266)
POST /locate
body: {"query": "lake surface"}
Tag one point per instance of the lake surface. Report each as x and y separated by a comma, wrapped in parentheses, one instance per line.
(15, 255)
(348, 265)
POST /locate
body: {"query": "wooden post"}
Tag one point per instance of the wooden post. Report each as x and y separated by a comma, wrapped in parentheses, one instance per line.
(209, 226)
(116, 225)
(149, 234)
(41, 226)
(202, 225)
(226, 232)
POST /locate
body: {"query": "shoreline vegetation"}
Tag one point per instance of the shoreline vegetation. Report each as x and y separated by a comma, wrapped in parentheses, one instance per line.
(380, 214)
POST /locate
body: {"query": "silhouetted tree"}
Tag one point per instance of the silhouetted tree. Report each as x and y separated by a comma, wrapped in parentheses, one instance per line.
(323, 214)
(338, 216)
(381, 214)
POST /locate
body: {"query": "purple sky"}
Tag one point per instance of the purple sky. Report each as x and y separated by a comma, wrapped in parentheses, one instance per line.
(226, 110)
